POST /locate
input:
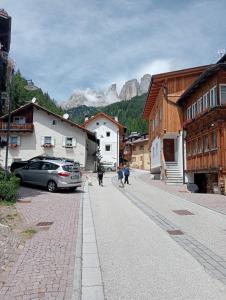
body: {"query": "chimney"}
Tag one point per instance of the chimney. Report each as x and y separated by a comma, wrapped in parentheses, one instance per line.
(86, 118)
(116, 118)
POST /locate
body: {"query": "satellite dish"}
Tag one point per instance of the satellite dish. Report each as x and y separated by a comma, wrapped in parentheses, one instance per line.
(66, 116)
(33, 100)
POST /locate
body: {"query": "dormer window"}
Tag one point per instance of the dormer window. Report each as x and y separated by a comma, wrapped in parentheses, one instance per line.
(19, 120)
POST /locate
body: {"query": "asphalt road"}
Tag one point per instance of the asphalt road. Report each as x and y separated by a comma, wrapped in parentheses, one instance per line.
(138, 257)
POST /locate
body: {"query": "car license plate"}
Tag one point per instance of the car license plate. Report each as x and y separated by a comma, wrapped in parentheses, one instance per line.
(75, 177)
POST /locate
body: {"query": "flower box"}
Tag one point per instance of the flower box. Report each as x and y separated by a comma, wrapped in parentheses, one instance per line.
(13, 146)
(47, 145)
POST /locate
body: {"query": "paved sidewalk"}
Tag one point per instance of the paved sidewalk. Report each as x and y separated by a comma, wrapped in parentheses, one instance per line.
(211, 201)
(45, 269)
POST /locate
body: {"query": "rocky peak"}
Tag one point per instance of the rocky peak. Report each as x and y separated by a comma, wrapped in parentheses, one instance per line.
(129, 90)
(144, 83)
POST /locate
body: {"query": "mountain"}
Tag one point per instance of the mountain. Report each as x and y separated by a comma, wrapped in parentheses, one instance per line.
(90, 97)
(129, 113)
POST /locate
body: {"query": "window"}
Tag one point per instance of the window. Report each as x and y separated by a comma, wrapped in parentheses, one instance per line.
(194, 110)
(223, 94)
(14, 140)
(205, 143)
(205, 100)
(54, 122)
(19, 120)
(108, 133)
(107, 148)
(214, 140)
(49, 166)
(213, 97)
(97, 123)
(34, 166)
(142, 147)
(189, 113)
(47, 141)
(199, 106)
(69, 142)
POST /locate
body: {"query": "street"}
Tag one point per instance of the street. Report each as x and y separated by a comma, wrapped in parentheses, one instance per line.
(139, 259)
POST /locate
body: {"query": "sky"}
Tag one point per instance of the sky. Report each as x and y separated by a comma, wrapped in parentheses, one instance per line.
(66, 45)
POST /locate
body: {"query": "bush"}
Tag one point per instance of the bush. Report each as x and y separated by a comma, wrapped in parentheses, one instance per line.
(8, 187)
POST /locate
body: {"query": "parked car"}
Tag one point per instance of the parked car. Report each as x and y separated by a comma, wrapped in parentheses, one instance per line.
(21, 163)
(108, 166)
(51, 174)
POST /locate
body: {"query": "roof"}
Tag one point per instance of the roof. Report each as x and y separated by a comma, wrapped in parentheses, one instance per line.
(139, 141)
(90, 134)
(102, 114)
(157, 81)
(202, 78)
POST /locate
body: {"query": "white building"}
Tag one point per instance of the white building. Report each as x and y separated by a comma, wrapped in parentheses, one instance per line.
(36, 131)
(110, 134)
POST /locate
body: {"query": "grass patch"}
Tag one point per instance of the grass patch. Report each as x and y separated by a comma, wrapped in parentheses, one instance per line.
(7, 203)
(29, 232)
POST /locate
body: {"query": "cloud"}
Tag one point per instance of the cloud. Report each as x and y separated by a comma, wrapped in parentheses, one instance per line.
(76, 44)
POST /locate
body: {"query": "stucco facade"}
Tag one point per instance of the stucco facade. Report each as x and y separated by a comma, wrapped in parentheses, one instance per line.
(109, 133)
(58, 132)
(140, 155)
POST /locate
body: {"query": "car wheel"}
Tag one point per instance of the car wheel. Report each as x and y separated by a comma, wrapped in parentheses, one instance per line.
(51, 186)
(73, 189)
(20, 179)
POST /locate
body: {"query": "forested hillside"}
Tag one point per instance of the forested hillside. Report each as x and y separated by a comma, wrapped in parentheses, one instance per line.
(129, 113)
(20, 96)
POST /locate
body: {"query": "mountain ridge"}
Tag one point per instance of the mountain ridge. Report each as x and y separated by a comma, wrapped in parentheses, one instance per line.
(91, 97)
(129, 113)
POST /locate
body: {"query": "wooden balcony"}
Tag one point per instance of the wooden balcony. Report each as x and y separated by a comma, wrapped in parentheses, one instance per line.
(28, 127)
(202, 162)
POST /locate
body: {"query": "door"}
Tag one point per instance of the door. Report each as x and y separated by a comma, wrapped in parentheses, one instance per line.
(168, 149)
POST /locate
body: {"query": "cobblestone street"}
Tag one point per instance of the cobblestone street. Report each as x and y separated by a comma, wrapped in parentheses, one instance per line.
(46, 267)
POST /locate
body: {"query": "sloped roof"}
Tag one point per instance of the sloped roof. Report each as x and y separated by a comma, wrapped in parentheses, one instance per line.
(102, 114)
(221, 64)
(157, 82)
(30, 105)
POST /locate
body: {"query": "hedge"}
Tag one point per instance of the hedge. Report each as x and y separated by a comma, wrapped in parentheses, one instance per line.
(8, 187)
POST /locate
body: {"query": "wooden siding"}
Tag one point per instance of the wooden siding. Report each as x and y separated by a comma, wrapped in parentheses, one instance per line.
(172, 116)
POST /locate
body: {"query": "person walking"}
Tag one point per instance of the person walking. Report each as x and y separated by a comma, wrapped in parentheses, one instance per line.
(126, 174)
(120, 177)
(100, 174)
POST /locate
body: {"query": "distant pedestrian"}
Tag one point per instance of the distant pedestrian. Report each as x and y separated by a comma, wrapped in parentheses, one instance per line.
(120, 177)
(126, 174)
(100, 174)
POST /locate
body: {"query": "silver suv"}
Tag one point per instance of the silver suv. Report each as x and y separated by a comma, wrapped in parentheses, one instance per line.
(51, 174)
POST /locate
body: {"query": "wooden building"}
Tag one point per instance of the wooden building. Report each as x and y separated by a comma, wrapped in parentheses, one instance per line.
(204, 112)
(166, 122)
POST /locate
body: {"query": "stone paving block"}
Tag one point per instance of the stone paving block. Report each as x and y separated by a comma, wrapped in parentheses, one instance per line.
(93, 293)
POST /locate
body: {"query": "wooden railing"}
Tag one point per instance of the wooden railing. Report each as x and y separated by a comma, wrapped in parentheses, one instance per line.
(16, 127)
(163, 167)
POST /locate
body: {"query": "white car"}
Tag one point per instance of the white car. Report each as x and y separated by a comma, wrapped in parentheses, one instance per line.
(109, 166)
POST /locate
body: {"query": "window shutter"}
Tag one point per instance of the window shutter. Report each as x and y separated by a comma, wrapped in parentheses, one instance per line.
(52, 141)
(64, 141)
(74, 142)
(18, 140)
(42, 140)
